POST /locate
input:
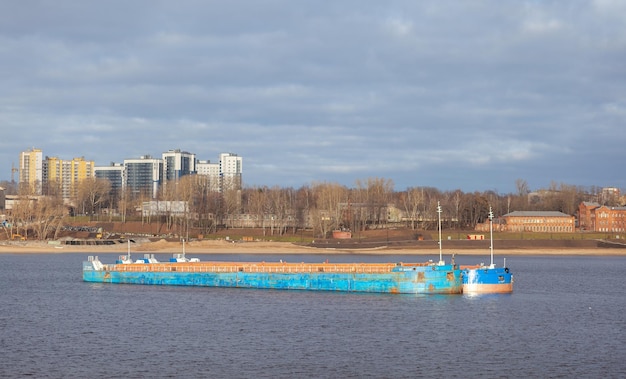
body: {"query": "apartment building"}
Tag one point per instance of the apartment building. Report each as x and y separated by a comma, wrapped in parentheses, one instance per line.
(209, 173)
(31, 170)
(143, 176)
(177, 163)
(64, 176)
(231, 167)
(115, 174)
(52, 175)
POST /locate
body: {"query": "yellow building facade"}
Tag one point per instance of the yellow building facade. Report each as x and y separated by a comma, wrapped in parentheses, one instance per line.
(64, 176)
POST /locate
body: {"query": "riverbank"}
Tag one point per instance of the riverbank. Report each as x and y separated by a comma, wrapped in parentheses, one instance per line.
(229, 247)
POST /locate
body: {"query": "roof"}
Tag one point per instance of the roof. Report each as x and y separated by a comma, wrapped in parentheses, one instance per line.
(591, 204)
(536, 214)
(613, 208)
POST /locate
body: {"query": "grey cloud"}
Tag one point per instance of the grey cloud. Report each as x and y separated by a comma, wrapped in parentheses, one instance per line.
(439, 93)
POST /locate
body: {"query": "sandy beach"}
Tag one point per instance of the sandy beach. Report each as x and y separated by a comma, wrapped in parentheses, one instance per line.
(229, 247)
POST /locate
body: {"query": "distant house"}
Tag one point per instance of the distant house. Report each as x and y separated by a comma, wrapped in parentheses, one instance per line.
(586, 215)
(601, 218)
(498, 225)
(164, 208)
(10, 201)
(539, 221)
(531, 221)
(610, 219)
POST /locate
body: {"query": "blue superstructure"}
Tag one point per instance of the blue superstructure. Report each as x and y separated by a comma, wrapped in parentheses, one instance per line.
(487, 279)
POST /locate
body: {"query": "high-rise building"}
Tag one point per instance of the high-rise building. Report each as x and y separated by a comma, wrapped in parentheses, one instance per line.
(208, 168)
(53, 176)
(114, 173)
(80, 169)
(177, 164)
(230, 171)
(31, 169)
(210, 173)
(224, 175)
(143, 176)
(64, 176)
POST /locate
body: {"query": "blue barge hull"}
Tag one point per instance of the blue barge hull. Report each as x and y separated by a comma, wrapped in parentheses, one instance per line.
(421, 278)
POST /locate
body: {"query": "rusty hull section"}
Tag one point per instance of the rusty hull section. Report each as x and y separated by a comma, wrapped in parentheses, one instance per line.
(395, 278)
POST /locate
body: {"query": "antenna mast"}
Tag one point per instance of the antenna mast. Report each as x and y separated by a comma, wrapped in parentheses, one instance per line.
(491, 235)
(439, 214)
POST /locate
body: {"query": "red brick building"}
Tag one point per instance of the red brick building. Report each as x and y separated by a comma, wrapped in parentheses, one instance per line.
(539, 221)
(532, 221)
(586, 215)
(601, 218)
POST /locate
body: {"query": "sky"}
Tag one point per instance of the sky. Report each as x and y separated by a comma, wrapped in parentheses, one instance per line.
(470, 95)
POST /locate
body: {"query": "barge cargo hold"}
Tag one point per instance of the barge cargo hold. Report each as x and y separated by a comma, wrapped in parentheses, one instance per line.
(396, 278)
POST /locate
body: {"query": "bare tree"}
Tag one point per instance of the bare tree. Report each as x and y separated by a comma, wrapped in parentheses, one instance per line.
(376, 193)
(327, 213)
(304, 204)
(185, 193)
(202, 204)
(256, 204)
(20, 216)
(476, 207)
(282, 202)
(412, 200)
(92, 194)
(47, 216)
(522, 187)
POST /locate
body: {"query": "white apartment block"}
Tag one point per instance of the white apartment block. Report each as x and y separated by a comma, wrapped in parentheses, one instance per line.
(178, 163)
(231, 167)
(210, 172)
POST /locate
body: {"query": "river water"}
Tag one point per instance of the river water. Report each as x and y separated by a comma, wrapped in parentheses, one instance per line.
(566, 318)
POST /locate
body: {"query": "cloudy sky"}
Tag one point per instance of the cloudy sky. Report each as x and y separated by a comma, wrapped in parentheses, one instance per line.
(448, 94)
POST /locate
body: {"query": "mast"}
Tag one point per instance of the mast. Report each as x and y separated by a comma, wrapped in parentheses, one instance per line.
(439, 214)
(491, 235)
(128, 253)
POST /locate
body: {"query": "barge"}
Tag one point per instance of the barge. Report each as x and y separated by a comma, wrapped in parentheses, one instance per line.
(395, 278)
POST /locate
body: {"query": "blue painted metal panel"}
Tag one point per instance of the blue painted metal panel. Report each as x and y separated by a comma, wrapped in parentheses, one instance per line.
(487, 280)
(415, 280)
(486, 275)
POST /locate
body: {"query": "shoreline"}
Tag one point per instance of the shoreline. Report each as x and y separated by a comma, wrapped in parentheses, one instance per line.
(224, 247)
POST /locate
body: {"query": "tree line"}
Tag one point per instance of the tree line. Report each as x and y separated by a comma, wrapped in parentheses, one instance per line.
(320, 206)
